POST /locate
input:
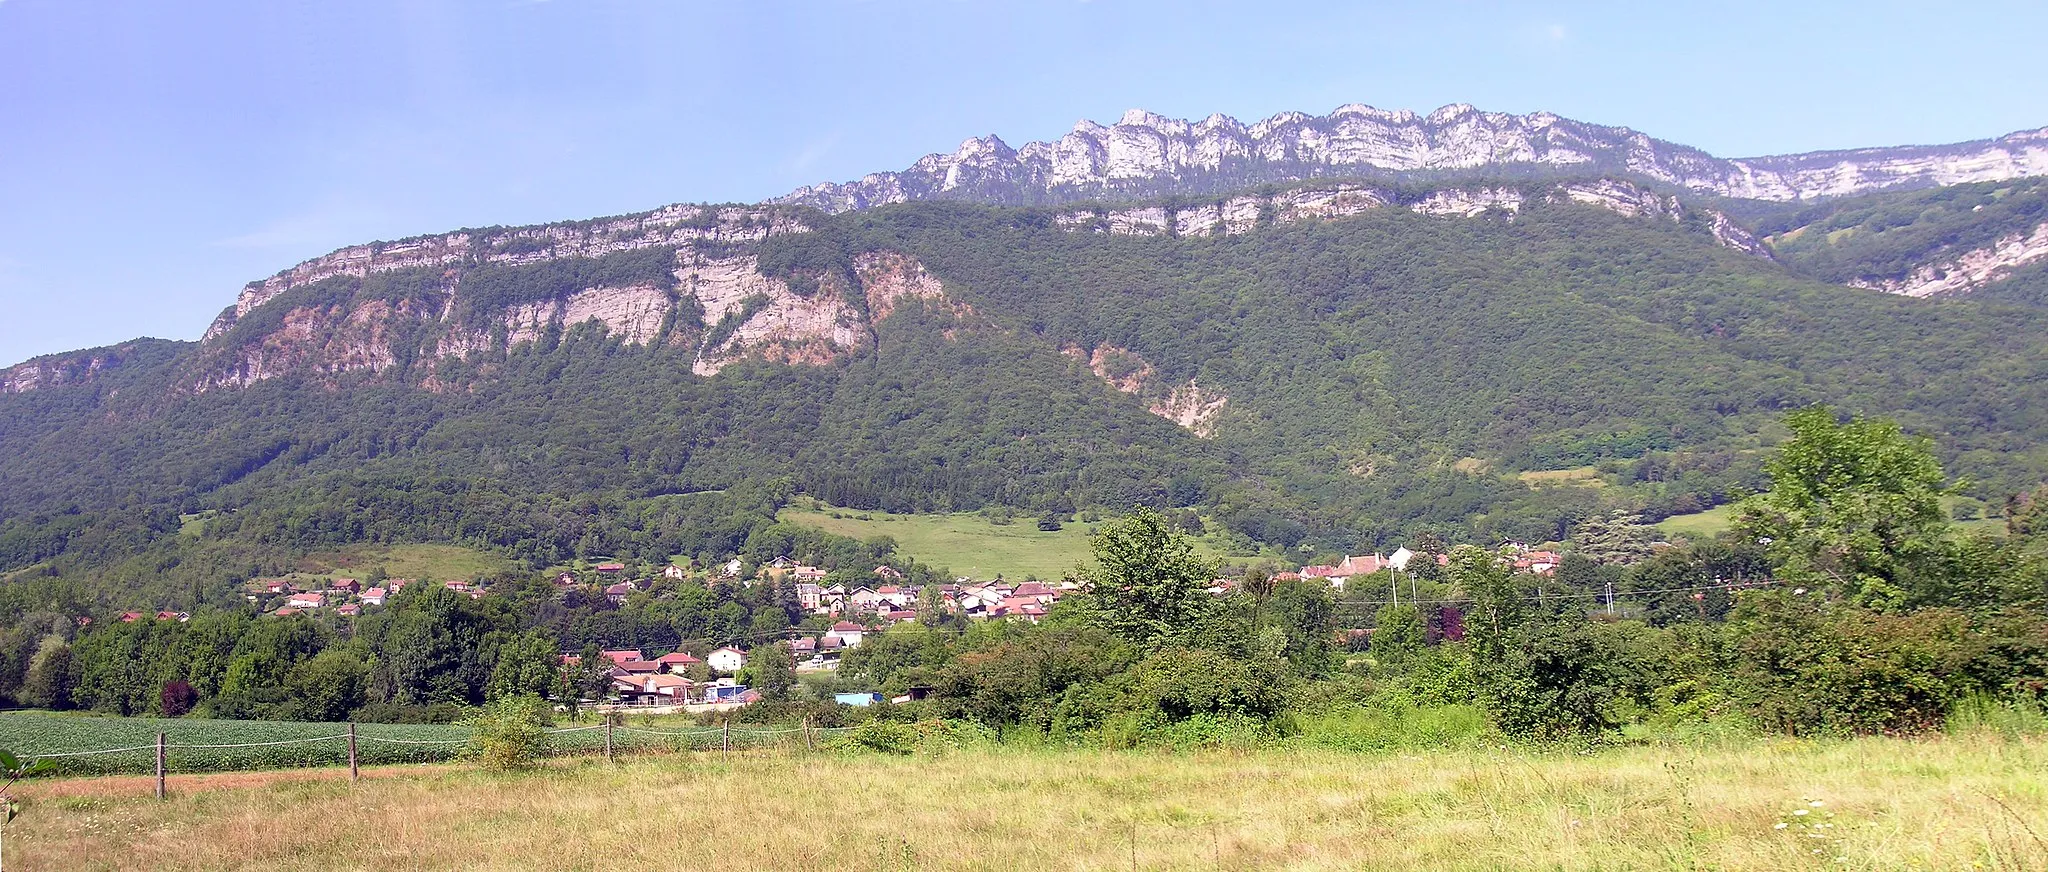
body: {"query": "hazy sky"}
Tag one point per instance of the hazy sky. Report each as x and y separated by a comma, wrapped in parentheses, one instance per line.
(155, 156)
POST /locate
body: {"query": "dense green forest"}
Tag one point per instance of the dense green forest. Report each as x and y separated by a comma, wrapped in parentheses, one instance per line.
(1385, 375)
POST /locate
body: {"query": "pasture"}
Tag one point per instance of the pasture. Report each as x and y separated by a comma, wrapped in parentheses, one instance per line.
(1869, 804)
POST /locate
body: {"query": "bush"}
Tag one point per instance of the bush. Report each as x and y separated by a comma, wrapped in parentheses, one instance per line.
(1980, 714)
(1391, 727)
(887, 737)
(510, 733)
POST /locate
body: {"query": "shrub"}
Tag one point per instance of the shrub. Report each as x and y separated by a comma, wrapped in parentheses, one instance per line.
(887, 737)
(509, 733)
(1391, 727)
(1982, 714)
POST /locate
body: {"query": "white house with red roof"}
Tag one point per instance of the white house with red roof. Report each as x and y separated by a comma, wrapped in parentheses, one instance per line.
(306, 601)
(847, 633)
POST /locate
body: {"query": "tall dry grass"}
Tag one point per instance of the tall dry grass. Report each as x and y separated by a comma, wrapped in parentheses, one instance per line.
(1951, 803)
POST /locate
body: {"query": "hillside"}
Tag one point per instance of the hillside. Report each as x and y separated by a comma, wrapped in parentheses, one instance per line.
(1330, 366)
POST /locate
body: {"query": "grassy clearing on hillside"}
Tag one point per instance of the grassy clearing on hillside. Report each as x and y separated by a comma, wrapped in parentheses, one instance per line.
(968, 543)
(1581, 476)
(428, 562)
(1868, 804)
(1700, 525)
(1714, 521)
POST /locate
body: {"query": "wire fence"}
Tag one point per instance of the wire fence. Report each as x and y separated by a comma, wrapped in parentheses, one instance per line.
(375, 744)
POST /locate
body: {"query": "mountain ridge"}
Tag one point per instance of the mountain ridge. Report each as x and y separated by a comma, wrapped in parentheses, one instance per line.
(1147, 154)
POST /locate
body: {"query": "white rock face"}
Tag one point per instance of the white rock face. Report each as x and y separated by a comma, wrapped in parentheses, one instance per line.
(1193, 407)
(715, 268)
(1971, 269)
(1239, 214)
(1146, 154)
(670, 225)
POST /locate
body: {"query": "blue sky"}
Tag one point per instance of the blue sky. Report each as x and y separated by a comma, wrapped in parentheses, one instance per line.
(155, 156)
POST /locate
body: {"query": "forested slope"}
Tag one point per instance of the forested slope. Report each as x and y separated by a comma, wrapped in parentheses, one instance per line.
(1339, 384)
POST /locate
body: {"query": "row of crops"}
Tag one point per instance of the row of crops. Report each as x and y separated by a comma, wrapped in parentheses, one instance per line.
(77, 745)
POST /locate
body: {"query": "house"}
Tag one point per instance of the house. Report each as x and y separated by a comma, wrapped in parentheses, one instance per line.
(1037, 590)
(900, 597)
(803, 647)
(1539, 562)
(639, 667)
(889, 572)
(727, 659)
(732, 568)
(130, 617)
(275, 586)
(780, 563)
(566, 579)
(349, 611)
(285, 612)
(676, 662)
(809, 597)
(623, 655)
(864, 598)
(846, 633)
(306, 601)
(348, 584)
(618, 593)
(676, 572)
(180, 617)
(397, 584)
(652, 689)
(897, 616)
(374, 596)
(611, 568)
(809, 574)
(457, 586)
(1399, 559)
(857, 700)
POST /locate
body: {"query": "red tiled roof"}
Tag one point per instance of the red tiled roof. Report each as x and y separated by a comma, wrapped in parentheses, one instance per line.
(624, 655)
(848, 627)
(677, 658)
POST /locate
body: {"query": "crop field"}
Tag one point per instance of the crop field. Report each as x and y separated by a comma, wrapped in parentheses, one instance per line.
(72, 744)
(265, 744)
(1867, 804)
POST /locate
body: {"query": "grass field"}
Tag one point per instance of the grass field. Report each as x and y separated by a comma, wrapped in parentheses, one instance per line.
(1713, 521)
(968, 543)
(1703, 525)
(33, 734)
(1868, 804)
(1582, 476)
(428, 562)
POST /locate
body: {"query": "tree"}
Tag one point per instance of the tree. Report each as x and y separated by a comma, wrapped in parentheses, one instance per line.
(774, 671)
(49, 676)
(327, 686)
(1855, 507)
(1147, 585)
(1397, 635)
(177, 698)
(1615, 538)
(528, 665)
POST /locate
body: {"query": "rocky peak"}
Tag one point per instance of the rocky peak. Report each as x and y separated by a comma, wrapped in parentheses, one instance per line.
(1145, 155)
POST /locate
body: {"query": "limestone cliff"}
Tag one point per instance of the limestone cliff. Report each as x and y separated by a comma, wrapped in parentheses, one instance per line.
(1144, 155)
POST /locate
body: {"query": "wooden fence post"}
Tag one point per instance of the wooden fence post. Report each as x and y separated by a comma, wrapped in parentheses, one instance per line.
(725, 741)
(608, 738)
(159, 765)
(808, 744)
(353, 775)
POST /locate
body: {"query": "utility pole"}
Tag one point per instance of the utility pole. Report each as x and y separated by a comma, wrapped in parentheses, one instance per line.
(1610, 598)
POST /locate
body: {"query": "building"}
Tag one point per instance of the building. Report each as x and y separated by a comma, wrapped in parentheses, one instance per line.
(375, 596)
(727, 659)
(809, 597)
(846, 633)
(857, 700)
(677, 662)
(306, 601)
(624, 655)
(675, 572)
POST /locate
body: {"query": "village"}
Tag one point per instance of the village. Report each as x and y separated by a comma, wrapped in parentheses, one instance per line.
(839, 615)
